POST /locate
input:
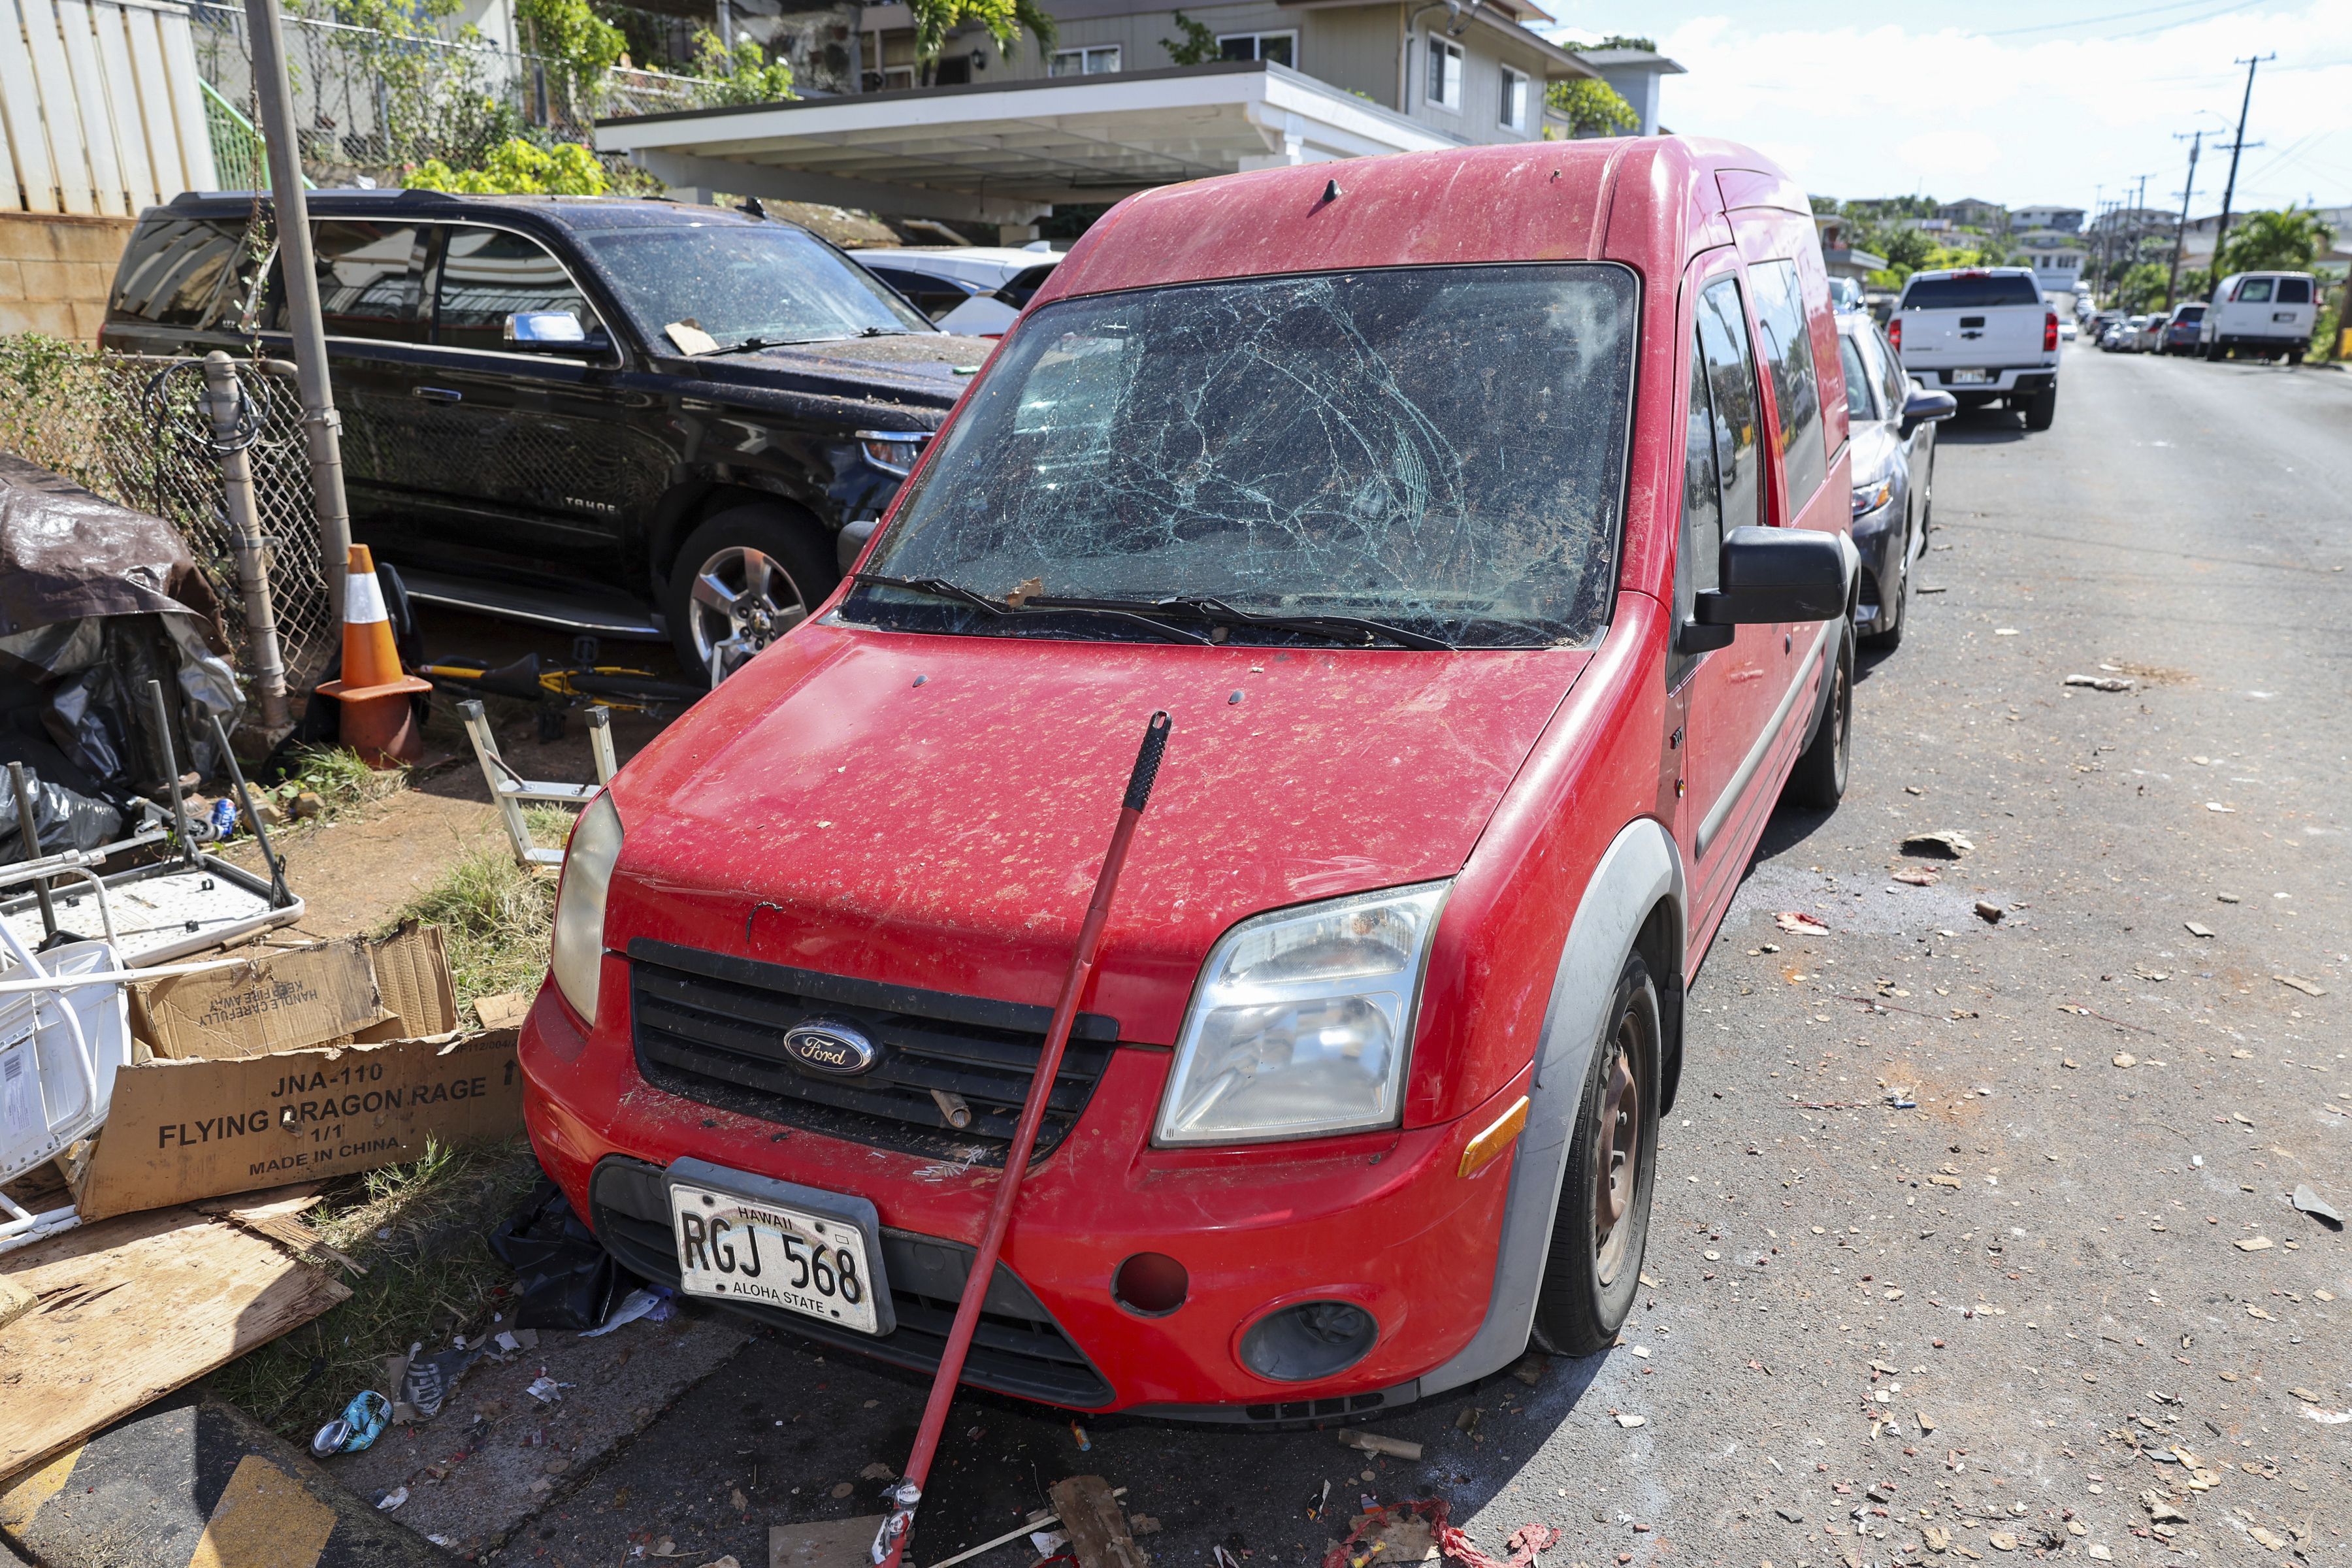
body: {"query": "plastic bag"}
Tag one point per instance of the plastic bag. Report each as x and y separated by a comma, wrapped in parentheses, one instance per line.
(63, 819)
(566, 1278)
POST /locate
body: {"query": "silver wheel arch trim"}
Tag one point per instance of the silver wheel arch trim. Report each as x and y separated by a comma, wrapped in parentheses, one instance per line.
(1639, 870)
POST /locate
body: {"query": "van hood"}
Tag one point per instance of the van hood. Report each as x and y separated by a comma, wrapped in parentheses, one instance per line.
(932, 811)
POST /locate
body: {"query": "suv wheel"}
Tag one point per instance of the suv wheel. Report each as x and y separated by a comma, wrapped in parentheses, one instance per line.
(1594, 1267)
(743, 579)
(1819, 778)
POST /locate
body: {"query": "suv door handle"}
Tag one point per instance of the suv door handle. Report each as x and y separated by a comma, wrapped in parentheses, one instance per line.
(437, 394)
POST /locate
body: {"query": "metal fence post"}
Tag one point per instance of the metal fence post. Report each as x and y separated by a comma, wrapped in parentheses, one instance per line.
(227, 403)
(299, 267)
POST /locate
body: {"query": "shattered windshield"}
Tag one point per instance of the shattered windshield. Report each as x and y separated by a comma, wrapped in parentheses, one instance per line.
(1433, 448)
(735, 282)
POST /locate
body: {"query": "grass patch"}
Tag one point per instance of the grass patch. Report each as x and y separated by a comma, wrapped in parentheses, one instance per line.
(421, 1229)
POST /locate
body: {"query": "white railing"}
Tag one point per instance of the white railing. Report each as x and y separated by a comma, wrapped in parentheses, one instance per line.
(100, 108)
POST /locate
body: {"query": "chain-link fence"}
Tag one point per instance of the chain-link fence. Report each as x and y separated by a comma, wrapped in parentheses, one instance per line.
(370, 100)
(103, 421)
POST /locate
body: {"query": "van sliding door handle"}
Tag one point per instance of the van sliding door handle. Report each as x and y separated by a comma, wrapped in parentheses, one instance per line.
(437, 394)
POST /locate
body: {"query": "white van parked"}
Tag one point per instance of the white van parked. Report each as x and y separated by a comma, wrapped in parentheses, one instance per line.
(2261, 313)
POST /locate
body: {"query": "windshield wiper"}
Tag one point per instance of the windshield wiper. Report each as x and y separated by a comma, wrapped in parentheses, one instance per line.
(1335, 627)
(956, 593)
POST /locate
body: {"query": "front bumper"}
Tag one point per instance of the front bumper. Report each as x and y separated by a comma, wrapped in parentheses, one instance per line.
(1878, 538)
(1380, 1220)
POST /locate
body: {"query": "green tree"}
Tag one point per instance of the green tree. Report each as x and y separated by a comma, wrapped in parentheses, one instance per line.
(1594, 107)
(516, 168)
(1005, 21)
(1616, 41)
(2287, 241)
(568, 31)
(741, 75)
(2141, 287)
(1199, 46)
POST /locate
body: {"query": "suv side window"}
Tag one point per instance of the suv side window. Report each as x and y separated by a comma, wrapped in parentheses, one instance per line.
(1789, 351)
(1699, 552)
(370, 275)
(488, 275)
(171, 273)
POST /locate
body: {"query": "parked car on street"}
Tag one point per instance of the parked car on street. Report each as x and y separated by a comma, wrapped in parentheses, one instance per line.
(976, 289)
(2149, 338)
(2067, 330)
(2124, 336)
(634, 418)
(2180, 329)
(1985, 334)
(1894, 421)
(1521, 577)
(2261, 314)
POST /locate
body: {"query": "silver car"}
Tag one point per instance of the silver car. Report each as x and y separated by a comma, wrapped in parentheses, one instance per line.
(1893, 421)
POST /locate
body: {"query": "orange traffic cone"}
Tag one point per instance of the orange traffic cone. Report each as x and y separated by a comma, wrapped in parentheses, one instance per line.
(378, 721)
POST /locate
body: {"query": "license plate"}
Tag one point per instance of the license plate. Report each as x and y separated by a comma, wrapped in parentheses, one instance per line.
(2282, 315)
(1967, 377)
(751, 1252)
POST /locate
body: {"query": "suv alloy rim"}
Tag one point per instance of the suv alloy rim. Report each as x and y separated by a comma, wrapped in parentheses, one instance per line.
(743, 600)
(1616, 1151)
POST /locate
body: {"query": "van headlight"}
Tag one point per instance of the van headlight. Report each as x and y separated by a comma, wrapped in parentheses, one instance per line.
(1303, 1022)
(576, 949)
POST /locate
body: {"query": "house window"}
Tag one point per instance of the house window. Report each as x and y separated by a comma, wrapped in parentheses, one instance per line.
(897, 78)
(1085, 62)
(1282, 48)
(1444, 73)
(1514, 114)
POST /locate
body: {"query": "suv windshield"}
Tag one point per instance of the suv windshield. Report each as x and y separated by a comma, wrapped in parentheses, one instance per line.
(1969, 293)
(1440, 449)
(736, 282)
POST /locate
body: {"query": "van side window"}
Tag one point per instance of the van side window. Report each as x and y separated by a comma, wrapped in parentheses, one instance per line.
(1698, 550)
(172, 272)
(1789, 352)
(1731, 390)
(2295, 291)
(488, 275)
(369, 278)
(2255, 291)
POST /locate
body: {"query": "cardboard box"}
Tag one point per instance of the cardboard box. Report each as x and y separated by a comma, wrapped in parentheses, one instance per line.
(257, 1080)
(278, 1002)
(186, 1129)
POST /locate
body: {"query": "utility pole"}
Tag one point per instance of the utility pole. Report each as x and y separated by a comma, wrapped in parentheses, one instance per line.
(2237, 145)
(321, 425)
(2180, 230)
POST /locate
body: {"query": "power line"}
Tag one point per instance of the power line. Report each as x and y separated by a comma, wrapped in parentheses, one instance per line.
(2087, 21)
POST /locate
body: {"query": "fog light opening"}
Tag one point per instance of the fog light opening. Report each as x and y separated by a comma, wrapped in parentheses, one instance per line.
(1312, 1340)
(1150, 1285)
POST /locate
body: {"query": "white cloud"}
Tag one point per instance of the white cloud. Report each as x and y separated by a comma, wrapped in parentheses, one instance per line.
(1861, 111)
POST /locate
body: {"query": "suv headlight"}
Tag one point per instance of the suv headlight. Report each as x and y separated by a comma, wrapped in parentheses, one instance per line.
(1869, 498)
(1303, 1022)
(576, 949)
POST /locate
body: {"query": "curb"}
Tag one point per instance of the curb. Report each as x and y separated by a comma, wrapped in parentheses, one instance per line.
(193, 1481)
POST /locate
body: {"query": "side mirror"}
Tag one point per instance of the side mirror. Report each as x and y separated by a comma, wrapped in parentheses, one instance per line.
(549, 332)
(1773, 574)
(1926, 407)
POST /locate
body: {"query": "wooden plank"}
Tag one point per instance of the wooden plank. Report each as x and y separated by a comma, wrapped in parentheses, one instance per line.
(1100, 1537)
(123, 97)
(132, 1308)
(151, 91)
(68, 153)
(80, 37)
(187, 104)
(20, 119)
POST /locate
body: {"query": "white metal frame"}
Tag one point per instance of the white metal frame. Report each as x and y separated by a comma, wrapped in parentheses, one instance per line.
(510, 790)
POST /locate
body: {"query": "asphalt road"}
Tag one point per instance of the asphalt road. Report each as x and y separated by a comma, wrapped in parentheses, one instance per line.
(2041, 1258)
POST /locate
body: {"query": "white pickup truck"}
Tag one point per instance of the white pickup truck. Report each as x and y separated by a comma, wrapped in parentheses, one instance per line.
(1983, 335)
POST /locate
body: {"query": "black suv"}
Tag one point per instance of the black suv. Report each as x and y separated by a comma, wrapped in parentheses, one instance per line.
(634, 418)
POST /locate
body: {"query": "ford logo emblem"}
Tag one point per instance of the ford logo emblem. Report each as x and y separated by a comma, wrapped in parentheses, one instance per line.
(829, 1046)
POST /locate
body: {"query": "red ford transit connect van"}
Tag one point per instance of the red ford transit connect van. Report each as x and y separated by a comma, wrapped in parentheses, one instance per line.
(1479, 517)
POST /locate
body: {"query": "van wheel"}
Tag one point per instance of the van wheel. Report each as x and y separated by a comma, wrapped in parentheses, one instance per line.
(2041, 409)
(743, 579)
(1819, 778)
(1594, 1267)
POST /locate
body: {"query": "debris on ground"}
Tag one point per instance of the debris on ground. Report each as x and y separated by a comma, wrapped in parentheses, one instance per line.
(1918, 876)
(653, 1302)
(2100, 682)
(1989, 912)
(565, 1277)
(1467, 1422)
(2194, 928)
(1798, 923)
(1944, 844)
(362, 1422)
(2252, 1244)
(823, 1543)
(2296, 983)
(2126, 1059)
(2319, 1208)
(1531, 1369)
(1373, 1443)
(1100, 1537)
(392, 1500)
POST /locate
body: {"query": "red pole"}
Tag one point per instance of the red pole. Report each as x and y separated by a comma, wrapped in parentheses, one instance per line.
(890, 1541)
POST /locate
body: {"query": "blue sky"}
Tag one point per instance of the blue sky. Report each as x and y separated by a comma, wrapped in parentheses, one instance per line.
(2024, 103)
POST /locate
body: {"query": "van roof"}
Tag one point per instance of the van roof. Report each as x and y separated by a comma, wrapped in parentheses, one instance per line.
(1641, 200)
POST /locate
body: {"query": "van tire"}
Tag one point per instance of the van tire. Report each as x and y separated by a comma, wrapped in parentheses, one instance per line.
(797, 568)
(1818, 781)
(2040, 409)
(1591, 1275)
